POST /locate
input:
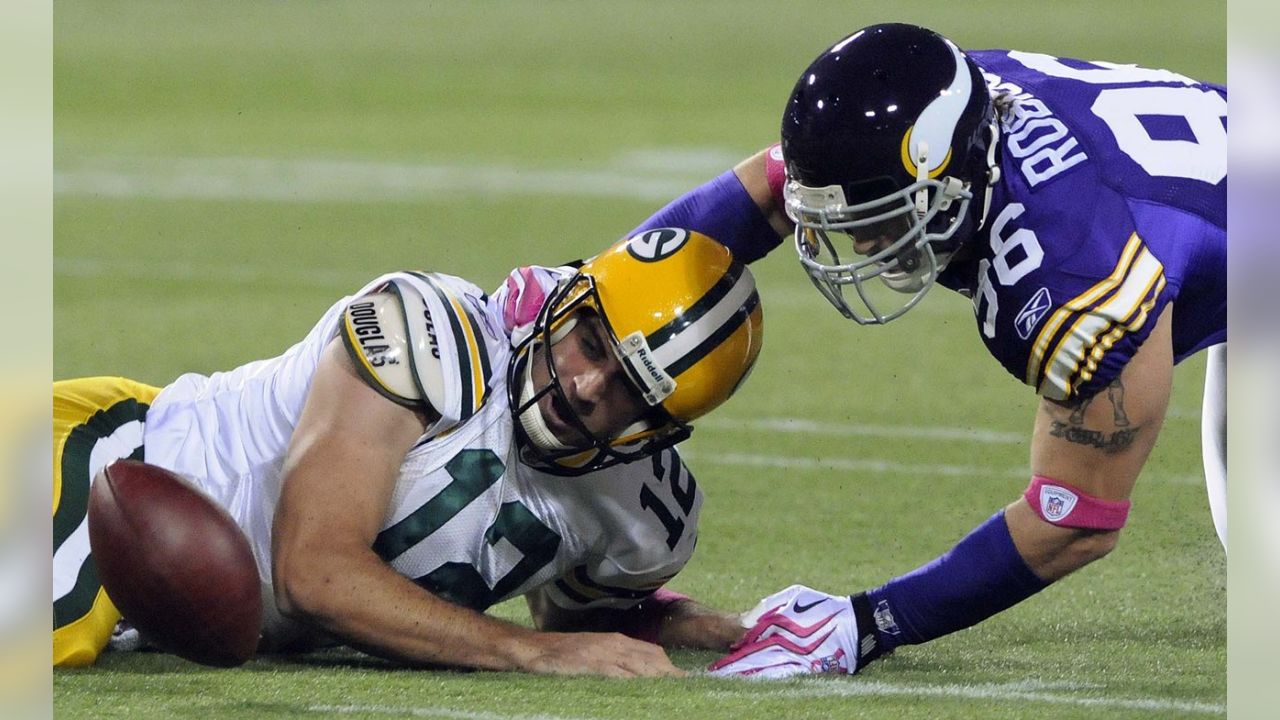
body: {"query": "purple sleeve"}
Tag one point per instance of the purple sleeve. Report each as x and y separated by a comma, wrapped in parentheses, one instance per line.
(982, 575)
(723, 210)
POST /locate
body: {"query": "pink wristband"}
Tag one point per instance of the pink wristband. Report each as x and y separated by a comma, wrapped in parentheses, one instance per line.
(665, 597)
(1061, 504)
(775, 171)
(645, 621)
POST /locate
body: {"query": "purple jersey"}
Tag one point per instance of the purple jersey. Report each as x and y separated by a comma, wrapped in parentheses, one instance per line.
(1110, 206)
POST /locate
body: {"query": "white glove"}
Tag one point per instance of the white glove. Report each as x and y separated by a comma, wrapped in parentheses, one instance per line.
(797, 631)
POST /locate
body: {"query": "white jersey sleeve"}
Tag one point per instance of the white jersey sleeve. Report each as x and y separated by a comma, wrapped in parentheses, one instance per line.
(424, 340)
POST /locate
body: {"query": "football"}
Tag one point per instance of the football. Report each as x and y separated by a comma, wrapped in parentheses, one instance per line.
(175, 564)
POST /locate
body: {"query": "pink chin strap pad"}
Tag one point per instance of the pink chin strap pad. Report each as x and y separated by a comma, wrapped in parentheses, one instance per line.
(1058, 503)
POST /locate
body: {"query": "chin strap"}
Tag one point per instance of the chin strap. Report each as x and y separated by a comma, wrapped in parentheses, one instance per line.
(531, 419)
(922, 174)
(993, 170)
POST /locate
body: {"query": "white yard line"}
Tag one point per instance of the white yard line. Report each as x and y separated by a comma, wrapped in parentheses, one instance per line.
(881, 466)
(658, 175)
(915, 432)
(236, 273)
(876, 465)
(426, 712)
(1028, 691)
(854, 465)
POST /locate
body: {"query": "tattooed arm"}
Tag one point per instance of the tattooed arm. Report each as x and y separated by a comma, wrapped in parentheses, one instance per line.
(1098, 445)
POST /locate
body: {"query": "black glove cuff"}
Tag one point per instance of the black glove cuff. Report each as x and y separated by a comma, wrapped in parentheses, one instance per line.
(869, 646)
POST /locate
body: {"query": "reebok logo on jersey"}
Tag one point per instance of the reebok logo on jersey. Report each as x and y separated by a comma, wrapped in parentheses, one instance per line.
(1032, 313)
(1056, 502)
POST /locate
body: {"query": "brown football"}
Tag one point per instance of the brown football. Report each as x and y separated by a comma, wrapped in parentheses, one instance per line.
(175, 564)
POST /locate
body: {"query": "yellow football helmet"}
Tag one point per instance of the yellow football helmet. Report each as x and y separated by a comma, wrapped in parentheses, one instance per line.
(684, 320)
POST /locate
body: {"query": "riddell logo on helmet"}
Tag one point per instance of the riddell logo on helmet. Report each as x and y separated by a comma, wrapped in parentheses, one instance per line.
(657, 376)
(655, 383)
(657, 244)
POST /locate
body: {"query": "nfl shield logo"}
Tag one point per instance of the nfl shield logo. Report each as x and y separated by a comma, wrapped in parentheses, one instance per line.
(1054, 507)
(1056, 502)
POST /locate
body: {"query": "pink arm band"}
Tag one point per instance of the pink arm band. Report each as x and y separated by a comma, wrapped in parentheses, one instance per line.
(1064, 505)
(775, 171)
(644, 621)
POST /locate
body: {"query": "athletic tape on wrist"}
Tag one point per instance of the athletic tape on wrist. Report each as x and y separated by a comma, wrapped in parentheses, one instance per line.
(1058, 503)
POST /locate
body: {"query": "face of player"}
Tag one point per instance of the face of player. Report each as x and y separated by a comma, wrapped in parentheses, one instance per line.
(877, 236)
(594, 384)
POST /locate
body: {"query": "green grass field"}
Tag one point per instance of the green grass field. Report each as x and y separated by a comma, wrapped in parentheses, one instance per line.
(224, 171)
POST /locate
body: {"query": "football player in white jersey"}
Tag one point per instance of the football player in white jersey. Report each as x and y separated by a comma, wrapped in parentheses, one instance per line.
(394, 482)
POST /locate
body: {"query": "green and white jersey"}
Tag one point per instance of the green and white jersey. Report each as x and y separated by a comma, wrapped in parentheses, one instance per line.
(468, 520)
(471, 522)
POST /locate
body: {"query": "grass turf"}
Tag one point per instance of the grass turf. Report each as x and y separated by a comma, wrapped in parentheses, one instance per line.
(531, 112)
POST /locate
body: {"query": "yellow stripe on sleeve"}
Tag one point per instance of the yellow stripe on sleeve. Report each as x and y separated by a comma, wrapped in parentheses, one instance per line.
(1075, 305)
(473, 351)
(1076, 356)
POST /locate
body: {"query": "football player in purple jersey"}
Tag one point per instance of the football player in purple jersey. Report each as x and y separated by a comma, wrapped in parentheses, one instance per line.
(1081, 206)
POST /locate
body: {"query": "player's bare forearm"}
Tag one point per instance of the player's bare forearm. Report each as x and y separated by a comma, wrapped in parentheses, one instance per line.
(691, 624)
(380, 612)
(339, 474)
(754, 177)
(1099, 446)
(681, 623)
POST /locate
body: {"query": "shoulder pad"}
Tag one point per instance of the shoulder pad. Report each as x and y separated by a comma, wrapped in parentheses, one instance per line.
(376, 335)
(432, 341)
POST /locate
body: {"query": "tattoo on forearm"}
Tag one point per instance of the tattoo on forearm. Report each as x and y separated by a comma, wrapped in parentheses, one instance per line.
(1077, 413)
(1073, 429)
(1115, 393)
(1115, 442)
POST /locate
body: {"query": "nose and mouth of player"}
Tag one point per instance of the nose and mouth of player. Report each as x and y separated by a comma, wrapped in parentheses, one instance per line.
(589, 395)
(878, 249)
(566, 423)
(877, 238)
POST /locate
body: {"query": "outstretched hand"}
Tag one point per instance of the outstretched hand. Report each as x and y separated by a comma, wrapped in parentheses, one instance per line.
(607, 654)
(797, 631)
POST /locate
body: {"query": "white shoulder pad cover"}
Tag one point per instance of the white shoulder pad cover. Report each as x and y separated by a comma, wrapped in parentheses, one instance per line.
(446, 344)
(375, 333)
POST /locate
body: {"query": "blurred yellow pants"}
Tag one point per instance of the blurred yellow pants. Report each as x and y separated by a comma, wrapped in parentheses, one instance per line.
(96, 421)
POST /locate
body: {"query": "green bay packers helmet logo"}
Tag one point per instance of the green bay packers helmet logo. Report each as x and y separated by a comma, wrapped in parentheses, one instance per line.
(655, 245)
